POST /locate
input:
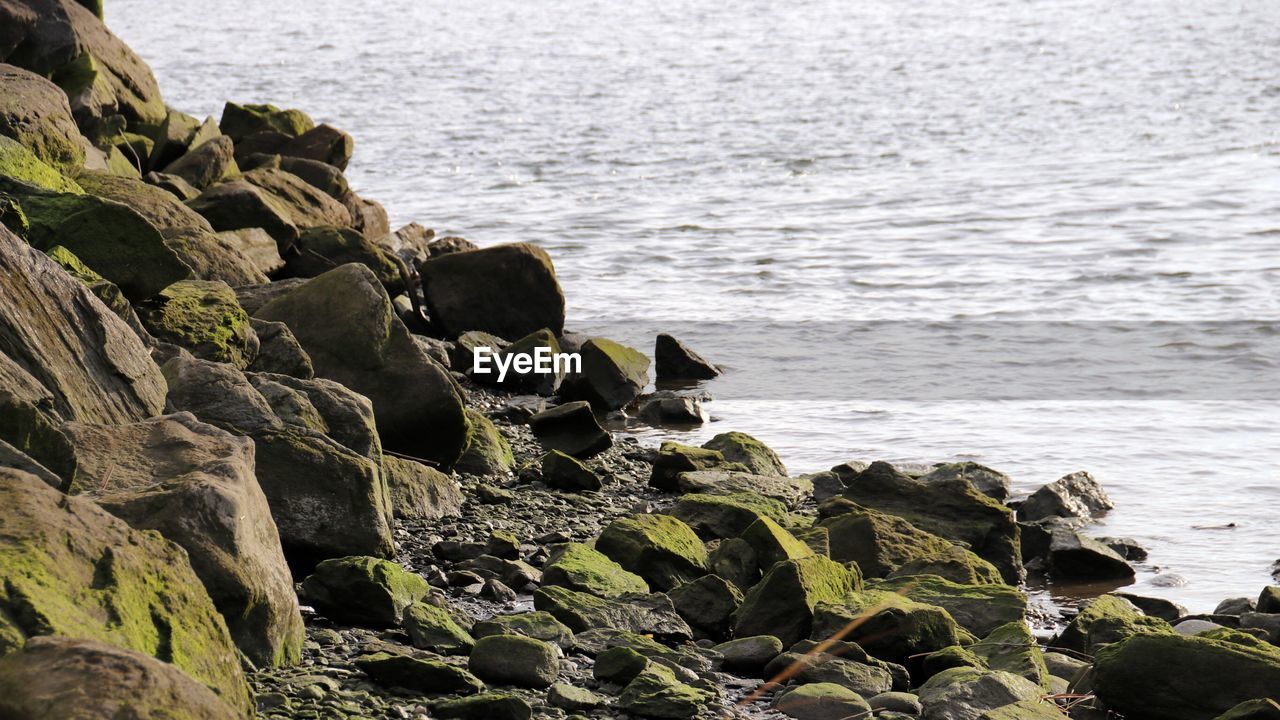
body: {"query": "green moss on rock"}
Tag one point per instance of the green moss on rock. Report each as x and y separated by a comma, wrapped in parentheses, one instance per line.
(741, 448)
(580, 567)
(205, 318)
(890, 626)
(487, 453)
(980, 609)
(659, 548)
(16, 161)
(239, 121)
(783, 602)
(726, 516)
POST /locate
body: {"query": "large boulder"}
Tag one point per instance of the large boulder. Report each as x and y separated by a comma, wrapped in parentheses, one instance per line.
(241, 121)
(322, 143)
(195, 484)
(612, 375)
(347, 324)
(1176, 677)
(322, 249)
(20, 163)
(878, 542)
(240, 205)
(673, 360)
(75, 570)
(991, 483)
(204, 317)
(951, 508)
(508, 290)
(783, 602)
(1102, 609)
(726, 516)
(56, 677)
(747, 451)
(1077, 495)
(488, 452)
(965, 693)
(583, 568)
(212, 161)
(101, 76)
(363, 590)
(304, 205)
(93, 366)
(887, 625)
(420, 492)
(1073, 556)
(790, 491)
(674, 459)
(514, 660)
(34, 112)
(659, 548)
(572, 429)
(978, 608)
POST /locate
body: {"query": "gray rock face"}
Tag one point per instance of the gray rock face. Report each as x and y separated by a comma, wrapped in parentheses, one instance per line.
(63, 677)
(1075, 495)
(279, 351)
(643, 614)
(420, 492)
(346, 323)
(195, 484)
(508, 290)
(53, 328)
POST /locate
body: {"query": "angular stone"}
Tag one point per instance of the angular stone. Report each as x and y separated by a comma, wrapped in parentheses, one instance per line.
(773, 544)
(571, 428)
(485, 706)
(195, 485)
(420, 492)
(726, 516)
(745, 450)
(1075, 557)
(488, 452)
(749, 654)
(207, 164)
(17, 162)
(674, 459)
(992, 483)
(279, 351)
(323, 143)
(238, 204)
(418, 674)
(508, 290)
(75, 570)
(673, 360)
(240, 121)
(644, 614)
(34, 112)
(54, 677)
(656, 693)
(540, 625)
(790, 491)
(514, 660)
(707, 603)
(432, 628)
(782, 603)
(93, 366)
(363, 590)
(1075, 495)
(612, 375)
(203, 317)
(979, 609)
(347, 325)
(659, 548)
(580, 567)
(564, 472)
(321, 249)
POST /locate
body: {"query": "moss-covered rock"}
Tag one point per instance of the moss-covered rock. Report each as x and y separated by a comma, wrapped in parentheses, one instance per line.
(950, 508)
(109, 237)
(956, 564)
(206, 164)
(745, 450)
(707, 603)
(1075, 636)
(419, 491)
(321, 249)
(418, 674)
(303, 205)
(16, 161)
(580, 567)
(820, 700)
(791, 492)
(612, 375)
(656, 693)
(322, 143)
(782, 603)
(659, 548)
(488, 452)
(240, 121)
(54, 677)
(566, 472)
(852, 670)
(485, 706)
(878, 542)
(105, 290)
(749, 654)
(889, 626)
(773, 544)
(537, 624)
(1013, 649)
(239, 205)
(69, 568)
(965, 692)
(35, 113)
(726, 516)
(432, 628)
(508, 290)
(674, 459)
(979, 609)
(203, 317)
(514, 660)
(642, 614)
(363, 590)
(1175, 677)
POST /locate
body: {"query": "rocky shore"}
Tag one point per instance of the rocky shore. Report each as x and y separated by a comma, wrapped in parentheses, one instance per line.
(246, 471)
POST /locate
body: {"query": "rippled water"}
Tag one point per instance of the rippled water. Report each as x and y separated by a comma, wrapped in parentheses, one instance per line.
(769, 166)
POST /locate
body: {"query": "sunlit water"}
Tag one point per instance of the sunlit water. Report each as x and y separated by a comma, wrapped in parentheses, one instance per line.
(768, 164)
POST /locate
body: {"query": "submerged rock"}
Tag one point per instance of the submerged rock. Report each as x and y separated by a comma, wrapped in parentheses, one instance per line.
(54, 677)
(76, 570)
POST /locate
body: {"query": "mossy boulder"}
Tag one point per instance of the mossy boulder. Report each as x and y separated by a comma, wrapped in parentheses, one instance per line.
(1175, 677)
(363, 590)
(642, 614)
(208, 163)
(1013, 649)
(656, 693)
(950, 508)
(1075, 636)
(566, 472)
(979, 609)
(322, 143)
(707, 603)
(852, 669)
(612, 375)
(203, 317)
(108, 236)
(514, 660)
(745, 450)
(35, 113)
(580, 567)
(240, 121)
(965, 692)
(821, 701)
(791, 492)
(195, 485)
(878, 542)
(659, 548)
(303, 204)
(989, 482)
(889, 626)
(783, 602)
(70, 348)
(55, 677)
(674, 459)
(773, 544)
(420, 492)
(538, 383)
(485, 706)
(69, 568)
(955, 563)
(488, 452)
(16, 161)
(537, 624)
(433, 628)
(726, 516)
(507, 290)
(348, 326)
(571, 428)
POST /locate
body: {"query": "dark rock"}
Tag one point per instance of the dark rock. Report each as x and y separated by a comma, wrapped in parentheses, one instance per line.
(539, 625)
(675, 459)
(240, 121)
(345, 322)
(749, 654)
(172, 184)
(508, 290)
(821, 701)
(573, 699)
(563, 472)
(572, 429)
(418, 674)
(965, 692)
(791, 491)
(487, 453)
(735, 561)
(747, 451)
(432, 628)
(486, 706)
(279, 351)
(71, 678)
(612, 375)
(644, 614)
(726, 516)
(369, 217)
(1075, 557)
(673, 411)
(1236, 606)
(238, 204)
(1253, 710)
(892, 627)
(1127, 548)
(1075, 495)
(34, 112)
(207, 164)
(782, 603)
(321, 249)
(1155, 607)
(363, 590)
(980, 609)
(992, 483)
(707, 603)
(656, 693)
(1075, 636)
(675, 361)
(1269, 600)
(773, 544)
(323, 143)
(580, 567)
